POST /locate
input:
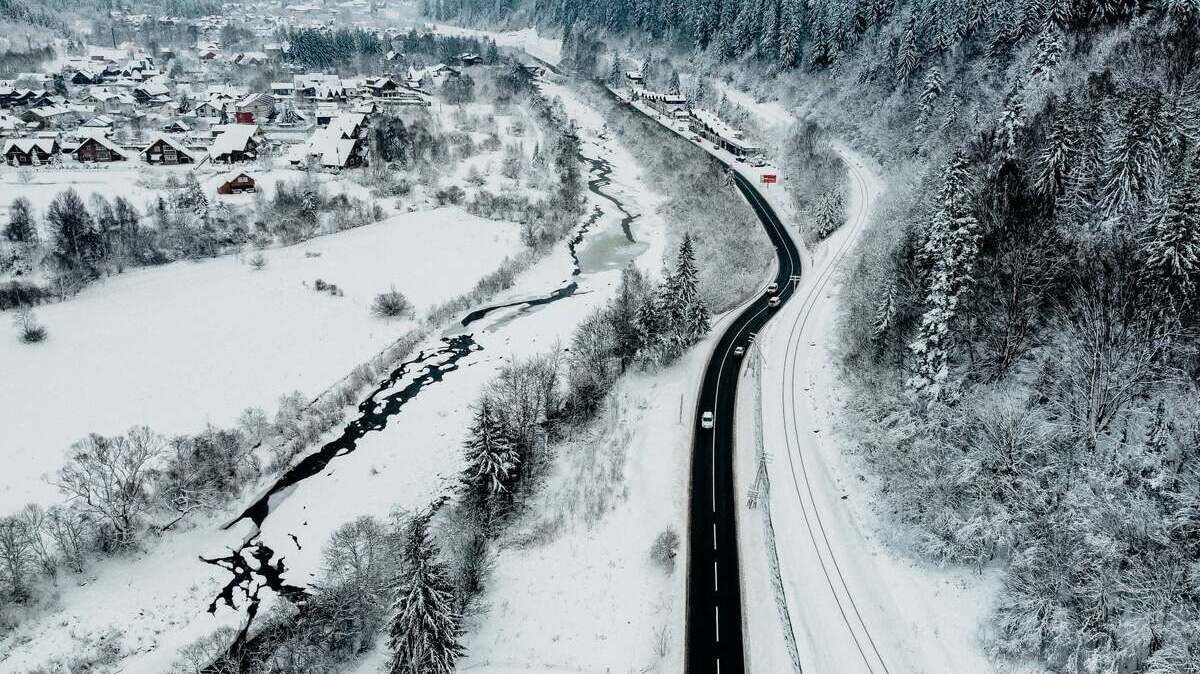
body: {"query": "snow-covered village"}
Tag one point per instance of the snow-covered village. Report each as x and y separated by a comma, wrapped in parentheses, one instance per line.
(599, 336)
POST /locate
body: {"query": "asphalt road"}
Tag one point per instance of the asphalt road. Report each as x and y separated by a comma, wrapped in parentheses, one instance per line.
(714, 605)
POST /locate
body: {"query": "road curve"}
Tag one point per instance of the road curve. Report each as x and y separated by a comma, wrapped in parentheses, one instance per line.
(714, 601)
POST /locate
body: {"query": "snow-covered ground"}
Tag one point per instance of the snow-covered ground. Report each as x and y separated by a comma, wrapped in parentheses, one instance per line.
(158, 599)
(188, 343)
(547, 49)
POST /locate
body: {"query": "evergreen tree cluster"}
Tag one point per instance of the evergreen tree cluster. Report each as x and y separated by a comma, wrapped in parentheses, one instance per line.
(795, 33)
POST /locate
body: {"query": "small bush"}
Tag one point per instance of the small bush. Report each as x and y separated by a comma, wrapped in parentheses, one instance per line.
(450, 195)
(258, 262)
(664, 550)
(31, 331)
(391, 304)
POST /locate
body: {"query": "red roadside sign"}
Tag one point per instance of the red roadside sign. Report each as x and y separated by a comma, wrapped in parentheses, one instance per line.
(770, 178)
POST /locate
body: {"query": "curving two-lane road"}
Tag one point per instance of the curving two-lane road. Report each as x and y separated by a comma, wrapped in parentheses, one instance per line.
(714, 602)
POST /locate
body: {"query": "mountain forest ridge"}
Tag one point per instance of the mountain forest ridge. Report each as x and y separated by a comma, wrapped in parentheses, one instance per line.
(1021, 326)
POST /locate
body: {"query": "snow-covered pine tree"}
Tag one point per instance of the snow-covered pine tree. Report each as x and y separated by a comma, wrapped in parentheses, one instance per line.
(1049, 52)
(951, 246)
(1129, 157)
(491, 456)
(425, 629)
(1008, 130)
(651, 331)
(953, 106)
(934, 85)
(885, 313)
(699, 94)
(906, 52)
(1171, 244)
(1056, 158)
(791, 32)
(615, 76)
(21, 227)
(673, 85)
(768, 39)
(691, 319)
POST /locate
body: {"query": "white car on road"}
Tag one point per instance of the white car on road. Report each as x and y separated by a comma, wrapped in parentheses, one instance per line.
(706, 420)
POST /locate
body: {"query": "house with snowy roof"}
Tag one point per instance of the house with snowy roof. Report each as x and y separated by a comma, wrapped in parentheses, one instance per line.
(99, 149)
(235, 143)
(152, 91)
(26, 151)
(260, 107)
(169, 151)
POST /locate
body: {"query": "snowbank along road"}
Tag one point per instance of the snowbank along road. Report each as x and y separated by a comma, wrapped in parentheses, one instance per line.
(714, 609)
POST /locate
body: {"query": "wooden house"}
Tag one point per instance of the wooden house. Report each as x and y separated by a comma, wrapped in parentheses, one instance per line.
(167, 151)
(26, 151)
(98, 149)
(236, 182)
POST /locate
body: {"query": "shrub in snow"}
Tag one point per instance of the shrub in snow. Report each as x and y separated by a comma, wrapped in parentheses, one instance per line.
(258, 262)
(31, 331)
(664, 550)
(450, 195)
(322, 287)
(391, 304)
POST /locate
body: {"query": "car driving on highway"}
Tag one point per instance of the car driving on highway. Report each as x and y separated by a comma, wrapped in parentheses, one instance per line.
(706, 420)
(773, 302)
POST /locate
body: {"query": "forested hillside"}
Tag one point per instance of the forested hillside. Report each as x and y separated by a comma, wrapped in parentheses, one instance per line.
(1021, 329)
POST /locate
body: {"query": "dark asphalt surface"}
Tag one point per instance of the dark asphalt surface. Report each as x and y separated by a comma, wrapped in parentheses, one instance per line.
(714, 604)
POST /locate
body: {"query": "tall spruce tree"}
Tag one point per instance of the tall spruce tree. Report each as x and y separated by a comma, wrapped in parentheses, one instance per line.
(1171, 245)
(425, 630)
(951, 246)
(492, 458)
(21, 227)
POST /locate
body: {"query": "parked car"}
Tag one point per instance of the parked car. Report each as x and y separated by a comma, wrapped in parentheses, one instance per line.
(758, 161)
(706, 420)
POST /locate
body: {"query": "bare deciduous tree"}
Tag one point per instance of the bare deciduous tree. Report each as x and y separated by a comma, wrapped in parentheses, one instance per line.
(110, 478)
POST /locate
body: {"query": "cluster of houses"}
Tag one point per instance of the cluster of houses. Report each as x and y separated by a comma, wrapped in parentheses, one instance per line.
(704, 123)
(116, 105)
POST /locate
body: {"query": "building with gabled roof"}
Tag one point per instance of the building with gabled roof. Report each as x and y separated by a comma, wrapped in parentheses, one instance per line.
(97, 148)
(26, 151)
(169, 151)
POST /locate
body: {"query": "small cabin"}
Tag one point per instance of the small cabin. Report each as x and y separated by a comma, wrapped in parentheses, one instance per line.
(168, 151)
(98, 149)
(237, 182)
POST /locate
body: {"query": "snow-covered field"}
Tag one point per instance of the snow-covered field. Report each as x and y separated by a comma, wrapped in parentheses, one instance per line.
(189, 343)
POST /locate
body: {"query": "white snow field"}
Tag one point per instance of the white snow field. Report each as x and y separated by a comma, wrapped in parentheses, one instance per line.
(185, 344)
(157, 599)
